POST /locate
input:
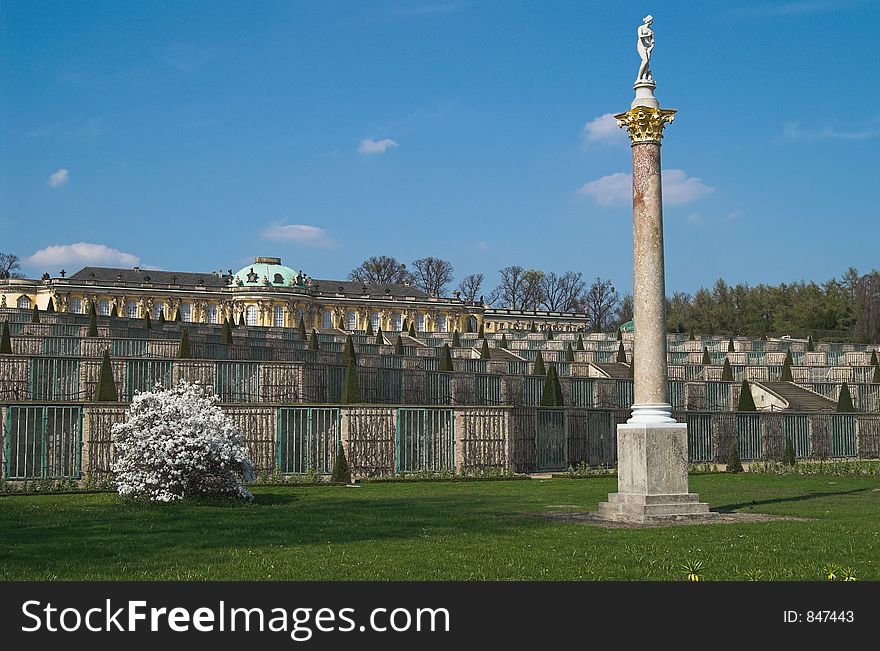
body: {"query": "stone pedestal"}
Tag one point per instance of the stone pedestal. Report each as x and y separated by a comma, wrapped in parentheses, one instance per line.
(652, 477)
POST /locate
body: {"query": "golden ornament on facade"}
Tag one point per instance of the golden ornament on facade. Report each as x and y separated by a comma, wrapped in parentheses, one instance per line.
(645, 124)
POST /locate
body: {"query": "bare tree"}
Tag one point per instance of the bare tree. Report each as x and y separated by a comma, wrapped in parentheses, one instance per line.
(470, 287)
(432, 275)
(867, 328)
(600, 304)
(519, 289)
(9, 266)
(380, 271)
(562, 293)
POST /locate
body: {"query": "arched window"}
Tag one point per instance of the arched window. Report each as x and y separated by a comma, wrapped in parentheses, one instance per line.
(374, 321)
(24, 303)
(212, 313)
(75, 306)
(420, 323)
(441, 323)
(278, 315)
(131, 310)
(251, 315)
(351, 320)
(328, 319)
(278, 279)
(397, 323)
(185, 312)
(472, 324)
(104, 308)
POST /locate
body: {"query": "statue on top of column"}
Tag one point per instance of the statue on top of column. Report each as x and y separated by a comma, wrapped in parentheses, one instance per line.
(645, 46)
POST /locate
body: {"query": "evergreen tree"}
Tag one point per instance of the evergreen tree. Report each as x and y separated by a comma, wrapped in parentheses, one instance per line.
(632, 366)
(177, 315)
(183, 350)
(844, 400)
(303, 336)
(726, 371)
(398, 346)
(162, 315)
(503, 343)
(810, 346)
(456, 340)
(733, 461)
(342, 323)
(404, 327)
(227, 332)
(620, 334)
(707, 359)
(786, 369)
(348, 353)
(114, 313)
(35, 317)
(746, 401)
(351, 388)
(569, 353)
(341, 471)
(552, 393)
(412, 328)
(874, 361)
(485, 353)
(730, 347)
(380, 340)
(538, 368)
(481, 333)
(106, 389)
(580, 343)
(549, 333)
(691, 336)
(876, 378)
(50, 307)
(313, 342)
(5, 340)
(93, 324)
(147, 323)
(534, 328)
(621, 353)
(445, 364)
(241, 320)
(370, 331)
(788, 457)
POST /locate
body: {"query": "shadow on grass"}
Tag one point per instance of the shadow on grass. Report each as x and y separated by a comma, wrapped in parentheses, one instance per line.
(729, 508)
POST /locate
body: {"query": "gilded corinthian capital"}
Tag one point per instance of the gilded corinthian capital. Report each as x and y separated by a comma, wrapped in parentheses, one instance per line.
(645, 124)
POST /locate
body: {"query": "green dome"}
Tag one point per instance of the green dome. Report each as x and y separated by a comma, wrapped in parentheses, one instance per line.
(263, 270)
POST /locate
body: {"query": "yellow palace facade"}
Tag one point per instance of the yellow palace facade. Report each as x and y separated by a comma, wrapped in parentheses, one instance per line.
(268, 293)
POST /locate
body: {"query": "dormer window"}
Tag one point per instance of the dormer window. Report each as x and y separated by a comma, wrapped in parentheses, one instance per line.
(279, 279)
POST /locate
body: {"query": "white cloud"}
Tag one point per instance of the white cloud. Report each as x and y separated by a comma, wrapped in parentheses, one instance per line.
(59, 178)
(82, 253)
(368, 146)
(299, 233)
(678, 188)
(603, 130)
(794, 132)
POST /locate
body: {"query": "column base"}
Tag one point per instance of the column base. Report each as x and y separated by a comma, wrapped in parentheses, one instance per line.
(653, 509)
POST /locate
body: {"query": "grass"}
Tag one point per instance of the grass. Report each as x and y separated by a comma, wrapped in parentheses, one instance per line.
(442, 531)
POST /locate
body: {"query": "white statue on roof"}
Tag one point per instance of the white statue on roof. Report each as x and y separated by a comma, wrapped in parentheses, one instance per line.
(645, 45)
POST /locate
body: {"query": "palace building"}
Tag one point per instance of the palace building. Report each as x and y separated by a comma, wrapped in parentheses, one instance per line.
(269, 293)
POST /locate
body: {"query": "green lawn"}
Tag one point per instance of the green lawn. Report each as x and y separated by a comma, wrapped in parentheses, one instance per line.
(441, 530)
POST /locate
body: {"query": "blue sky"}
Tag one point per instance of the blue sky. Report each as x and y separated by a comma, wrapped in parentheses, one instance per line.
(196, 135)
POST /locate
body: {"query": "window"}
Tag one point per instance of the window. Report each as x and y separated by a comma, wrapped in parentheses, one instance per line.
(24, 303)
(352, 320)
(328, 319)
(278, 279)
(251, 315)
(75, 306)
(420, 323)
(104, 308)
(398, 322)
(472, 324)
(132, 310)
(441, 323)
(374, 320)
(300, 317)
(158, 309)
(185, 312)
(279, 316)
(212, 313)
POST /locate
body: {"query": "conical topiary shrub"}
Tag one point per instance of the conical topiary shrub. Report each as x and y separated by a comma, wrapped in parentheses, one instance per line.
(551, 396)
(50, 306)
(580, 343)
(177, 316)
(398, 345)
(456, 340)
(621, 353)
(538, 368)
(5, 340)
(534, 328)
(341, 471)
(632, 366)
(303, 336)
(503, 343)
(707, 359)
(35, 317)
(746, 401)
(106, 389)
(876, 378)
(730, 347)
(93, 324)
(342, 323)
(370, 332)
(404, 326)
(485, 353)
(148, 325)
(445, 364)
(380, 340)
(549, 333)
(114, 313)
(227, 332)
(619, 334)
(183, 350)
(788, 456)
(874, 361)
(569, 353)
(786, 369)
(351, 387)
(811, 347)
(481, 333)
(733, 461)
(844, 400)
(313, 342)
(412, 328)
(348, 353)
(691, 336)
(726, 371)
(161, 318)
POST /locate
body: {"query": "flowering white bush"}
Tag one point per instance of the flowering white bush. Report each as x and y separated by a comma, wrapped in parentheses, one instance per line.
(176, 443)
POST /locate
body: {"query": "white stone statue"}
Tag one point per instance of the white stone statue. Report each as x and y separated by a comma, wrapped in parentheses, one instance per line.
(645, 46)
